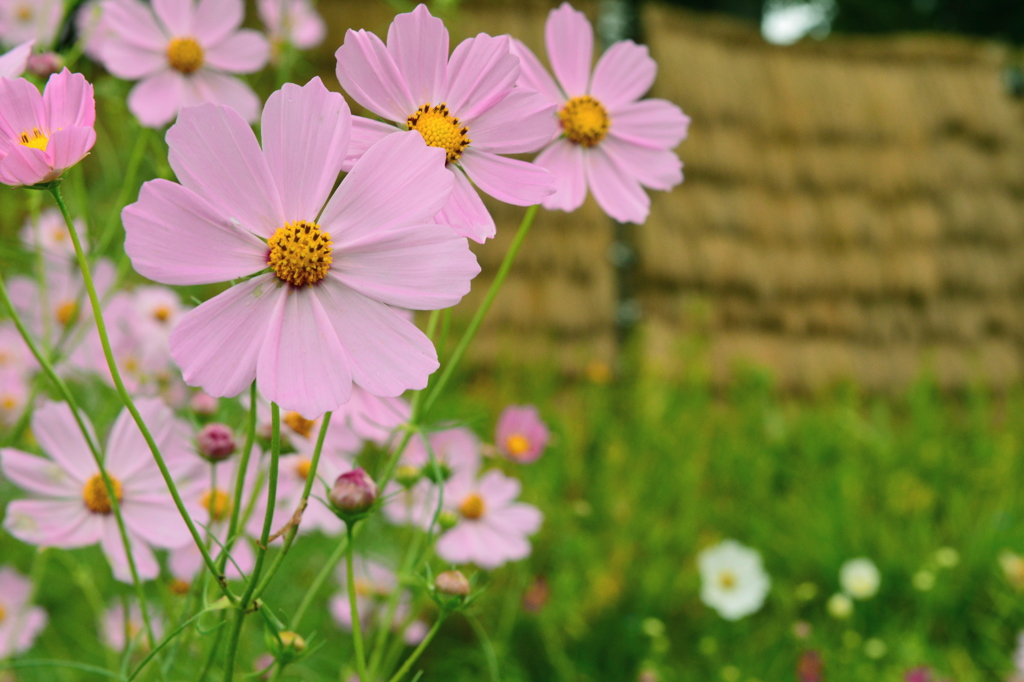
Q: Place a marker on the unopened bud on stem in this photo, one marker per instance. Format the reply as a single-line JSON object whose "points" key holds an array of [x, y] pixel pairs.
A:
{"points": [[354, 492], [216, 442], [452, 583]]}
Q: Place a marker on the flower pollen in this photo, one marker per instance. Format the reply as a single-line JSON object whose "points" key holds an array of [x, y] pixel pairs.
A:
{"points": [[727, 580], [299, 424], [584, 120], [302, 468], [185, 55], [23, 13], [34, 140], [472, 506], [218, 503], [300, 253], [3, 613], [440, 129], [517, 445], [95, 496], [66, 312], [179, 588], [161, 313]]}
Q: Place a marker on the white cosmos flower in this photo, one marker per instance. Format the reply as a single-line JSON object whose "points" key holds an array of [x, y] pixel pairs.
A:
{"points": [[860, 578], [733, 579]]}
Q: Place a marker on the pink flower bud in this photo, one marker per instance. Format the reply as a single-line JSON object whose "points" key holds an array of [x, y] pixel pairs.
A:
{"points": [[44, 65], [354, 492], [204, 404], [452, 583], [216, 442]]}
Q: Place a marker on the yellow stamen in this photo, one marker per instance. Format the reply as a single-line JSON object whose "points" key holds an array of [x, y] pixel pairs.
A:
{"points": [[440, 129], [300, 253], [472, 506], [161, 313], [66, 312], [727, 580], [3, 613], [363, 587], [59, 236], [23, 12], [8, 402], [299, 424], [218, 503], [179, 587], [95, 494], [302, 468], [517, 445], [185, 55], [35, 140], [584, 120]]}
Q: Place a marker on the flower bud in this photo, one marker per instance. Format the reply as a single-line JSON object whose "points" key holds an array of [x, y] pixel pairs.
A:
{"points": [[452, 583], [216, 442], [44, 65], [354, 492], [407, 475], [292, 640], [204, 404], [439, 474], [447, 519]]}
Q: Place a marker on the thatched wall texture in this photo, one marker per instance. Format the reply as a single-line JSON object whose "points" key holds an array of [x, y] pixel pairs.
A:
{"points": [[852, 210]]}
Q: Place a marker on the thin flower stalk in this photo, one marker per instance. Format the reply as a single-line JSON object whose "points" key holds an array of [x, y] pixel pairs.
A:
{"points": [[420, 649], [243, 466], [357, 629]]}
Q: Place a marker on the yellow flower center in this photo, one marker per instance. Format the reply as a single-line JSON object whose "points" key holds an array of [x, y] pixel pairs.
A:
{"points": [[218, 503], [66, 312], [23, 12], [440, 129], [584, 120], [161, 313], [300, 253], [302, 468], [36, 139], [727, 580], [185, 55], [517, 444], [95, 494], [179, 587], [8, 401], [3, 613], [472, 506], [363, 587], [59, 236], [299, 424]]}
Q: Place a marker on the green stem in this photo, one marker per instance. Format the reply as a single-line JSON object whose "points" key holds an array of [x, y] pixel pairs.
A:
{"points": [[420, 649], [485, 644], [357, 630], [243, 466], [481, 312], [101, 329], [127, 188], [318, 582]]}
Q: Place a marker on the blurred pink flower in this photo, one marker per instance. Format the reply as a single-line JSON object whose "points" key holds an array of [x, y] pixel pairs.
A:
{"points": [[20, 623], [374, 585], [14, 62], [492, 527], [370, 417], [611, 142], [293, 473], [292, 21], [43, 135], [321, 320], [114, 628], [13, 396], [182, 52], [521, 436], [54, 314], [93, 30], [24, 20], [466, 105], [50, 235], [68, 505], [14, 354]]}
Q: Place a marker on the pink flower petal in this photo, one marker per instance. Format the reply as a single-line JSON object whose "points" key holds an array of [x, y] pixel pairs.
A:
{"points": [[221, 88], [131, 62], [156, 523], [624, 73], [215, 154], [456, 546], [174, 236], [655, 123], [368, 73], [521, 123], [654, 168], [113, 546], [399, 181], [510, 180], [55, 428], [23, 110], [217, 344], [366, 132], [465, 211], [69, 146], [497, 489], [133, 22], [177, 15], [570, 42], [533, 75], [618, 194], [13, 63], [419, 267], [25, 166], [481, 73], [418, 42], [246, 51], [215, 20], [53, 523], [127, 451], [565, 161], [305, 138], [38, 475], [302, 365], [155, 100], [388, 354], [69, 101]]}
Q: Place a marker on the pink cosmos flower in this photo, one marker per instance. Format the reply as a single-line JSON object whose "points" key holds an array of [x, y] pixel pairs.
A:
{"points": [[292, 475], [321, 319], [92, 29], [375, 583], [20, 623], [301, 433], [14, 395], [55, 313], [24, 20], [114, 628], [14, 62], [69, 506], [292, 21], [50, 235], [370, 417], [182, 52], [611, 141], [41, 136], [492, 527], [521, 435], [465, 105], [14, 354]]}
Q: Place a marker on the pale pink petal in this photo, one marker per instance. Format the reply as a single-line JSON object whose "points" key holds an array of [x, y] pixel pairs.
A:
{"points": [[53, 523], [13, 63], [655, 123], [113, 546], [221, 88], [533, 75], [419, 267], [570, 42], [457, 545], [215, 20], [510, 180], [368, 73], [155, 100], [55, 428], [69, 101], [38, 475], [177, 15], [518, 518], [25, 166], [624, 73], [133, 22], [497, 489], [654, 168], [127, 450], [69, 146], [216, 345], [131, 62], [302, 365], [399, 181], [174, 236], [244, 52], [157, 522], [521, 123], [214, 153], [28, 625], [465, 211], [305, 139], [481, 73], [366, 132], [565, 161], [388, 355], [23, 109], [418, 42], [618, 194]]}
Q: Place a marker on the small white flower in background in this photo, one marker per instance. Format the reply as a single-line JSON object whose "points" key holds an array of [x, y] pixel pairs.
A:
{"points": [[840, 606], [733, 580], [860, 578]]}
